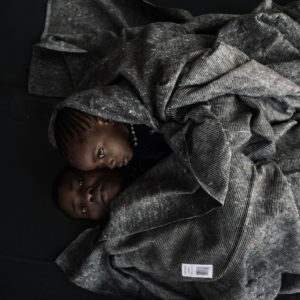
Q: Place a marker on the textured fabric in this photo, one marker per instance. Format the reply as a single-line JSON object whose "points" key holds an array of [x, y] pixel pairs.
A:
{"points": [[224, 91]]}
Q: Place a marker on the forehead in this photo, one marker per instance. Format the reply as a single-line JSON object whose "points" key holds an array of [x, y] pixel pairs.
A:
{"points": [[83, 153], [91, 138], [66, 193]]}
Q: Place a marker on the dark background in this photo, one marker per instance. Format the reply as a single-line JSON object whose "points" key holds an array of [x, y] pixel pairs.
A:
{"points": [[32, 231]]}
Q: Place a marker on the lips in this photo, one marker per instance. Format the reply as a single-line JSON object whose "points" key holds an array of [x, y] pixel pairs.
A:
{"points": [[122, 163], [125, 161]]}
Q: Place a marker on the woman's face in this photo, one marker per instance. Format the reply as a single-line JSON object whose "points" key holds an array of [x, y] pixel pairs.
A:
{"points": [[106, 145], [88, 195]]}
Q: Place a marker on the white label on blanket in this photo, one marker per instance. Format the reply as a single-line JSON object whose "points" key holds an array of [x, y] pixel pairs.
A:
{"points": [[200, 271]]}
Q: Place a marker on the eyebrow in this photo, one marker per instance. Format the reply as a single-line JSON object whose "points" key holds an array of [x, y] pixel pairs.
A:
{"points": [[71, 183], [71, 187], [94, 158]]}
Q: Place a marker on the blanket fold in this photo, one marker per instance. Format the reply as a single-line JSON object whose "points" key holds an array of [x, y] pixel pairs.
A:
{"points": [[224, 92]]}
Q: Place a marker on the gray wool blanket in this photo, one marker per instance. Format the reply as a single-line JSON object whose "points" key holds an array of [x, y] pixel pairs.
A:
{"points": [[219, 217]]}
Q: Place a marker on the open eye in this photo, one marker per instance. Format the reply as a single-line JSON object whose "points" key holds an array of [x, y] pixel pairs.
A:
{"points": [[83, 209], [100, 153]]}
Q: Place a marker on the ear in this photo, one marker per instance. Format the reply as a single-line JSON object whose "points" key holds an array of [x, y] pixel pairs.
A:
{"points": [[105, 122]]}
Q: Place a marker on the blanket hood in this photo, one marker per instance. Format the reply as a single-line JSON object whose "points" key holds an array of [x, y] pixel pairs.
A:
{"points": [[201, 91]]}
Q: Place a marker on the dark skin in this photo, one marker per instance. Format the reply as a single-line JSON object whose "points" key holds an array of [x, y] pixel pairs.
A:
{"points": [[88, 195], [106, 145]]}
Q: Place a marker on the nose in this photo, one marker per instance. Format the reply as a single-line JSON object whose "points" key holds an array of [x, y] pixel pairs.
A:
{"points": [[111, 163], [89, 194]]}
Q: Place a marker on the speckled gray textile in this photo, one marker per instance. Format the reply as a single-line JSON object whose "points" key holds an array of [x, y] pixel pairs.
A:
{"points": [[224, 91]]}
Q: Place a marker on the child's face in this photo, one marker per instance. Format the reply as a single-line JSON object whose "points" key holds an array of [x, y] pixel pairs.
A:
{"points": [[88, 195], [106, 145]]}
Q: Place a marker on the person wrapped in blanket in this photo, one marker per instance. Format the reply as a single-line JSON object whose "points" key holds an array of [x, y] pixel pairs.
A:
{"points": [[217, 217], [90, 143]]}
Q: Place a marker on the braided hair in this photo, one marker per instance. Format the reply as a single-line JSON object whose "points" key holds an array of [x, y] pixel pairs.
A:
{"points": [[71, 124]]}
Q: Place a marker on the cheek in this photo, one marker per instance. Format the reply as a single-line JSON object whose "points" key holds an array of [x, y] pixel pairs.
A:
{"points": [[97, 212], [114, 190], [118, 146], [122, 139]]}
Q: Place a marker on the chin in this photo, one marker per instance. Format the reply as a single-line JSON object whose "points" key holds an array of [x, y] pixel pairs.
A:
{"points": [[130, 154], [98, 217]]}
